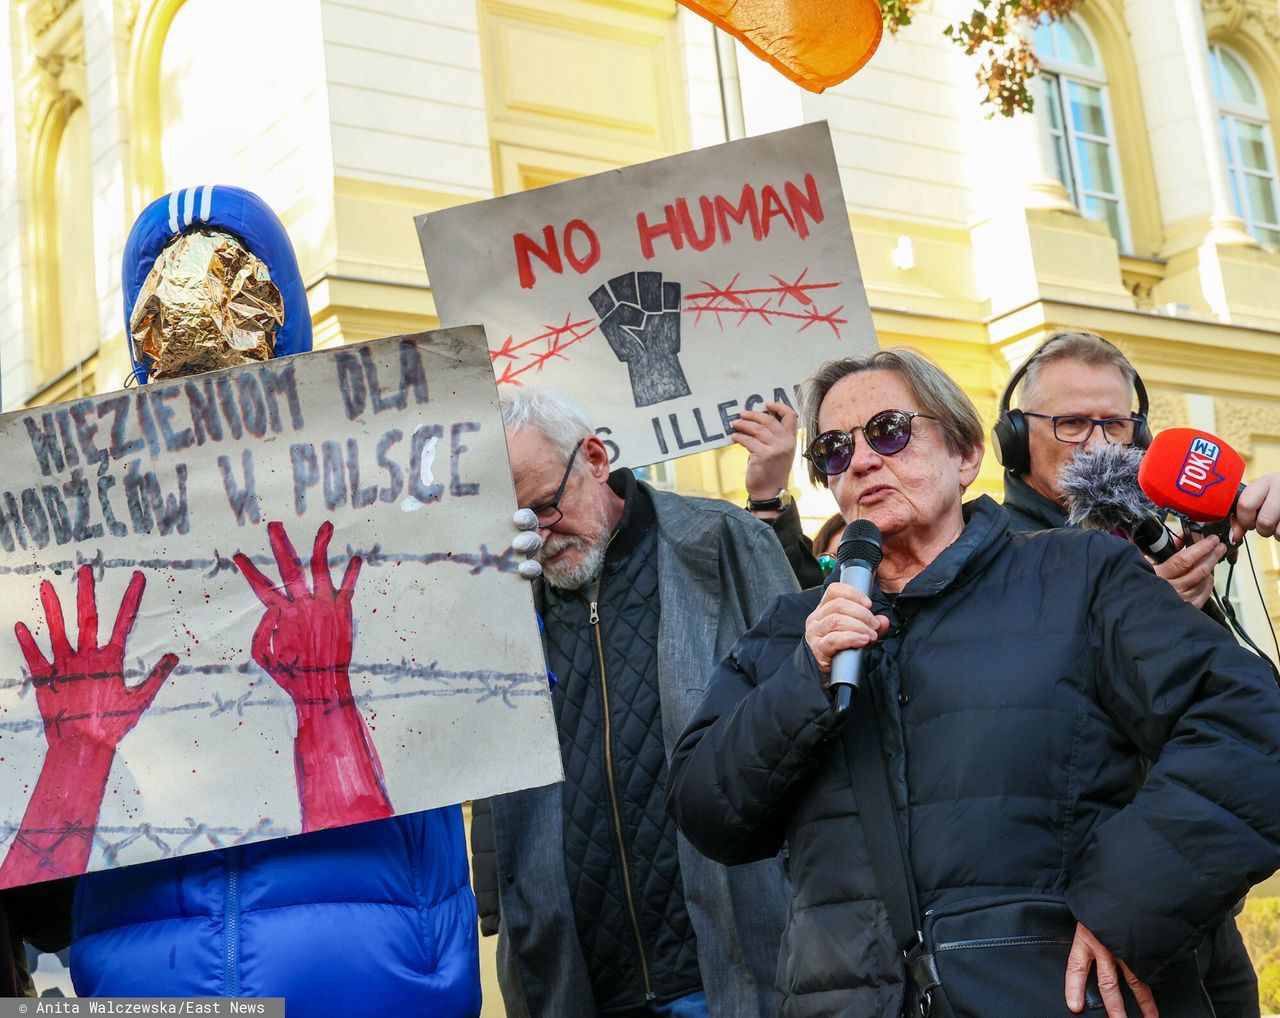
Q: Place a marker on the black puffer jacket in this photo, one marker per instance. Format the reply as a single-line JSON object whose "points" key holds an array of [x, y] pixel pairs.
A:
{"points": [[1028, 683], [1224, 963]]}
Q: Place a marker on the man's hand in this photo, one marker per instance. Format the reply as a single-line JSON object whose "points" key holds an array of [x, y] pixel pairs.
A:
{"points": [[770, 441], [528, 542], [1258, 508], [1087, 952], [1190, 571], [842, 621]]}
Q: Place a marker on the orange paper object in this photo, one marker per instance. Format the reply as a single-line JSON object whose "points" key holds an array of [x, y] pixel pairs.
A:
{"points": [[815, 43]]}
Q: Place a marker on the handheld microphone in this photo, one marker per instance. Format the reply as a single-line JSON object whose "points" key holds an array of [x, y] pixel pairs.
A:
{"points": [[1192, 473], [1102, 493], [859, 556], [1198, 476]]}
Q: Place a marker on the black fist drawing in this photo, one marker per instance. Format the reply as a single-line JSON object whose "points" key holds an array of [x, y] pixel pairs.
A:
{"points": [[640, 317]]}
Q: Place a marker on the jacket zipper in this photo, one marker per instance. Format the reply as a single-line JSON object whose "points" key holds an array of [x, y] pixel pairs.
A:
{"points": [[231, 923], [594, 619]]}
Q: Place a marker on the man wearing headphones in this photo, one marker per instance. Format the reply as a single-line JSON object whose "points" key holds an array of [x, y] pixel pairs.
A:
{"points": [[1077, 393]]}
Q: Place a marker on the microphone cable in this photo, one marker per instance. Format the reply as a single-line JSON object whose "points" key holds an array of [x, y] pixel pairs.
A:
{"points": [[1224, 604]]}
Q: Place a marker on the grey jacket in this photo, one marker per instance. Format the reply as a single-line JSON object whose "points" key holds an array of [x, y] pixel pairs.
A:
{"points": [[719, 569]]}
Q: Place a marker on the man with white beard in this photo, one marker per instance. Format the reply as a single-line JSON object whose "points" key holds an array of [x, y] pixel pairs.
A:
{"points": [[601, 906]]}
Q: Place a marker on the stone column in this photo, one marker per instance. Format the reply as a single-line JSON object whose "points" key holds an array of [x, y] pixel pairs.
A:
{"points": [[1020, 162], [1213, 267], [1171, 54], [107, 27]]}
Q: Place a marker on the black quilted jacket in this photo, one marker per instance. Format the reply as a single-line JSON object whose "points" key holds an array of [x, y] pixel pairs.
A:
{"points": [[1056, 720], [620, 845]]}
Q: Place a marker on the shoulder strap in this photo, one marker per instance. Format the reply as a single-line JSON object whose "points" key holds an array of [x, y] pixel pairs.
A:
{"points": [[870, 776]]}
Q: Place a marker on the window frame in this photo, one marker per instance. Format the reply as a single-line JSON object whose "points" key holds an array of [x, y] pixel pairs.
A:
{"points": [[1231, 114], [1057, 73]]}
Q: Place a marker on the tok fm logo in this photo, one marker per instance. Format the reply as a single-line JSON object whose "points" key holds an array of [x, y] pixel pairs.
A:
{"points": [[1197, 474]]}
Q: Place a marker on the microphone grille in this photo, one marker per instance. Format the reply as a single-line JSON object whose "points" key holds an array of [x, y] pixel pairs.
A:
{"points": [[1101, 489], [861, 542]]}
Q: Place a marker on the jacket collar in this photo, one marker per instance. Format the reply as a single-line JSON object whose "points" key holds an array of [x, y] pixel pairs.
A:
{"points": [[637, 516], [986, 529], [1020, 497]]}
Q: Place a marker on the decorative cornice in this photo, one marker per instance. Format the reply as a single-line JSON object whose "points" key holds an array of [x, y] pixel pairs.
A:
{"points": [[43, 15], [52, 65], [1264, 15], [1222, 17]]}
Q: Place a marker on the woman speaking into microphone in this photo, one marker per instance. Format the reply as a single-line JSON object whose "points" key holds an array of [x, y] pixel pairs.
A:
{"points": [[1055, 778]]}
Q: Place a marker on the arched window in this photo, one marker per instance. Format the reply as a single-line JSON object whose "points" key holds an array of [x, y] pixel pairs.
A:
{"points": [[67, 312], [73, 188], [224, 92], [1073, 104], [1246, 143]]}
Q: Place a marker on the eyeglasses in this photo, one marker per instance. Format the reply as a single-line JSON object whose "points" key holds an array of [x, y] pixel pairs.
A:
{"points": [[1074, 429], [887, 433], [549, 513]]}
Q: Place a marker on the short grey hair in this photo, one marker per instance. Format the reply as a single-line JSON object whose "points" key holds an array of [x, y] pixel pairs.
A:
{"points": [[1074, 346], [550, 413], [934, 390]]}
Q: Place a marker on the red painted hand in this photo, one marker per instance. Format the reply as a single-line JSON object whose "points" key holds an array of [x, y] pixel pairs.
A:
{"points": [[87, 709], [304, 643], [304, 639], [82, 693]]}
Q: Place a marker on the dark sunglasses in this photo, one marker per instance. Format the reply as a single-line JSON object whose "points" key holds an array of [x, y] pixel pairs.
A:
{"points": [[887, 433]]}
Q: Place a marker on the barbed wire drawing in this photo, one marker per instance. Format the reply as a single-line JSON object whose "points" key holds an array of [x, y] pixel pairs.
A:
{"points": [[765, 303], [376, 556], [113, 839], [781, 302], [483, 684], [557, 339], [89, 696]]}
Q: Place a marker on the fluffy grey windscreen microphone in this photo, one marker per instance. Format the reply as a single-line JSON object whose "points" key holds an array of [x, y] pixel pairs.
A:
{"points": [[1101, 489]]}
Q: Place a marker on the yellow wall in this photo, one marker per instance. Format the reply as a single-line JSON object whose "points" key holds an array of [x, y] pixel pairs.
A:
{"points": [[375, 110]]}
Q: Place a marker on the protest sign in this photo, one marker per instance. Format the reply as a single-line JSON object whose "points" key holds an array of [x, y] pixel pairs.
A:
{"points": [[180, 678], [664, 298]]}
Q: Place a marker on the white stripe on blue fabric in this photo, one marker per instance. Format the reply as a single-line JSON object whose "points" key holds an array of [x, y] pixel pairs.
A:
{"points": [[173, 211], [188, 206], [206, 202]]}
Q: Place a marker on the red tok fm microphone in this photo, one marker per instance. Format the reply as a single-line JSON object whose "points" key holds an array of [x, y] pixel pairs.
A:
{"points": [[1197, 475], [1194, 474]]}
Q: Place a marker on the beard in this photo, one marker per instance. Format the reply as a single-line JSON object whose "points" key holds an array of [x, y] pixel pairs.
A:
{"points": [[589, 563]]}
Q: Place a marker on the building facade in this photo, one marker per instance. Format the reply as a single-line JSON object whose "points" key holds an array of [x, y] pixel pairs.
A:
{"points": [[1139, 201]]}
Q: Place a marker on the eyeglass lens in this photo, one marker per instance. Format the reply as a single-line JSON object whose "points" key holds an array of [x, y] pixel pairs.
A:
{"points": [[887, 433], [1118, 430]]}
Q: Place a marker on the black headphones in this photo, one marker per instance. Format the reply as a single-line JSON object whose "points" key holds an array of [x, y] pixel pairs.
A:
{"points": [[1009, 436]]}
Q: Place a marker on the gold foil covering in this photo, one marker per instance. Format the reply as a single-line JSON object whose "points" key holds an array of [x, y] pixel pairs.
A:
{"points": [[206, 304]]}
